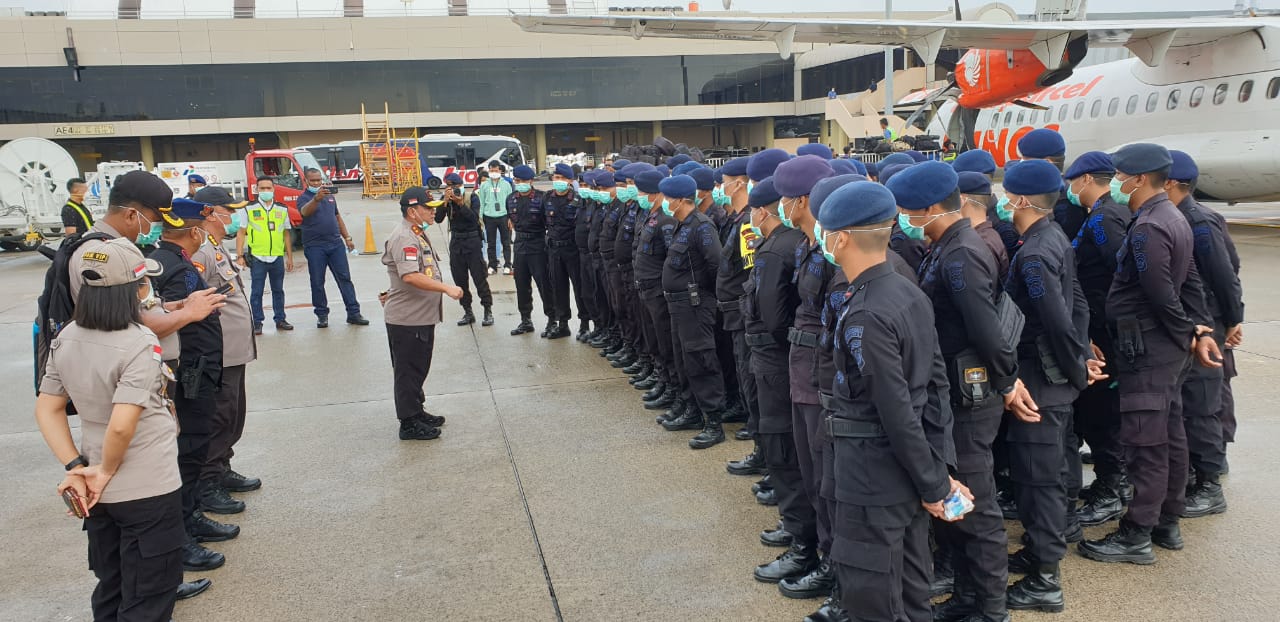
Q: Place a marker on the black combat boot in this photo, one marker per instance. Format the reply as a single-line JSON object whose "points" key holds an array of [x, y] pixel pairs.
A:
{"points": [[196, 558], [655, 392], [1206, 498], [816, 584], [548, 329], [205, 529], [627, 357], [795, 562], [235, 482], [525, 326], [214, 498], [641, 364], [764, 483], [679, 406], [735, 413], [648, 382], [743, 434], [830, 611], [944, 575], [712, 433], [776, 537], [752, 464], [1130, 543], [767, 497], [191, 589], [584, 328], [691, 419], [1073, 532], [1167, 534], [1040, 590], [488, 317], [467, 317], [1102, 504], [962, 604], [560, 330], [1022, 561], [599, 338]]}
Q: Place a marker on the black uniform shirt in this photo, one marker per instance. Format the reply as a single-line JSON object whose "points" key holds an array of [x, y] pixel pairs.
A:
{"points": [[889, 371], [1068, 215], [612, 214], [1042, 281], [734, 267], [991, 238], [1008, 233], [529, 220], [562, 215], [77, 215], [909, 249], [598, 216], [624, 243], [1096, 245], [1156, 280], [959, 278], [464, 218], [1222, 290], [651, 250], [692, 257], [773, 281], [813, 273], [582, 224], [179, 280]]}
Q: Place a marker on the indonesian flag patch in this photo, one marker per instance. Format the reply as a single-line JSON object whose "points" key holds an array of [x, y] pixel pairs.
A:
{"points": [[411, 253], [157, 353]]}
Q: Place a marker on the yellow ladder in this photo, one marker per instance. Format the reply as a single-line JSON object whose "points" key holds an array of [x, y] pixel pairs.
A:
{"points": [[376, 153]]}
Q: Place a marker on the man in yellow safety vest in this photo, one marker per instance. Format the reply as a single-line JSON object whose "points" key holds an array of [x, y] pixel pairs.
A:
{"points": [[265, 232]]}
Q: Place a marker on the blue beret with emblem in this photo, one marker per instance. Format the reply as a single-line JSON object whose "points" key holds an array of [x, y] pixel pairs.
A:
{"points": [[736, 167], [857, 204], [677, 160], [843, 167], [1090, 162], [897, 158], [923, 185], [684, 169], [678, 187], [523, 172], [563, 170], [620, 163], [605, 179], [453, 178], [763, 164], [664, 169], [703, 177], [973, 182], [1033, 177]]}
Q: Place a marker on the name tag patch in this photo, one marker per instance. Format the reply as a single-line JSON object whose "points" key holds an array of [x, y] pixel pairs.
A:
{"points": [[975, 375]]}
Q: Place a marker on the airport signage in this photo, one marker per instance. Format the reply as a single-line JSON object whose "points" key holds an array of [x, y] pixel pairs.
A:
{"points": [[102, 129]]}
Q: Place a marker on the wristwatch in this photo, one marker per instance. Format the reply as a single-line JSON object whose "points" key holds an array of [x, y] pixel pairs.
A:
{"points": [[78, 461], [1006, 391], [1205, 333]]}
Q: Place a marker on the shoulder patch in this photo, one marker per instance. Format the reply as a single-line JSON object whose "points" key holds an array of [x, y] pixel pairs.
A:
{"points": [[853, 340], [1033, 276], [955, 276], [1138, 243], [1203, 239], [411, 253]]}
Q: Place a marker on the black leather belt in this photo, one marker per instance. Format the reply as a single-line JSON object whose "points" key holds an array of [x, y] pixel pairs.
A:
{"points": [[680, 296], [1144, 323], [759, 339], [465, 234], [646, 284], [844, 428], [828, 401], [802, 338], [526, 237], [730, 305], [560, 243]]}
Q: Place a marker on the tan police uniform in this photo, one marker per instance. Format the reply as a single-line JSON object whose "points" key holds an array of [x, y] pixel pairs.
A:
{"points": [[239, 348], [411, 315]]}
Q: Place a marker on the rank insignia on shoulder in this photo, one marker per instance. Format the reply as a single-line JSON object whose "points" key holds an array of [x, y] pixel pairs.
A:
{"points": [[975, 375], [411, 253], [199, 266]]}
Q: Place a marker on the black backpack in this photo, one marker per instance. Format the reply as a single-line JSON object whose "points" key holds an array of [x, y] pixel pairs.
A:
{"points": [[55, 306]]}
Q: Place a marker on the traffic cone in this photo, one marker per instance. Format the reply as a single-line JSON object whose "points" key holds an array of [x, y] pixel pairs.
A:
{"points": [[370, 248]]}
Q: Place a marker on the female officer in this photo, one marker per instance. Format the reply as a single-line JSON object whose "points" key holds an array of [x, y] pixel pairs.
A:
{"points": [[125, 471]]}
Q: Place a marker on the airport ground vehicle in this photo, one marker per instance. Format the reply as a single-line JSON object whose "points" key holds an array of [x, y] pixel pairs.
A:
{"points": [[283, 166], [441, 154]]}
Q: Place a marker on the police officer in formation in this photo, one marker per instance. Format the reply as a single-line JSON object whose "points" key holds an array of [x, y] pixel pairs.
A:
{"points": [[562, 205], [604, 333], [527, 209], [466, 247], [736, 261], [655, 234], [589, 311]]}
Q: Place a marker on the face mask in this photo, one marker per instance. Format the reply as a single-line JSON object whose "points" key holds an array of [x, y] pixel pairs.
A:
{"points": [[151, 236], [645, 203], [1072, 197], [232, 227], [150, 300], [493, 175], [717, 195], [1003, 212], [822, 241], [666, 208], [627, 194], [756, 230], [782, 214], [266, 196], [913, 232], [560, 185], [523, 187], [749, 187], [1117, 194]]}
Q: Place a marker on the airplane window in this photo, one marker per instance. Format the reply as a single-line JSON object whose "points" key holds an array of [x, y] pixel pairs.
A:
{"points": [[1174, 96], [995, 118], [1246, 89], [1021, 114], [1273, 88], [1095, 109], [1035, 114], [1113, 107], [1079, 111], [1152, 100], [1220, 94], [1197, 94], [1131, 106], [1062, 112], [1008, 116]]}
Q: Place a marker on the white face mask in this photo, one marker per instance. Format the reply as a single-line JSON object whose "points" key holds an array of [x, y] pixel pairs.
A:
{"points": [[150, 300], [493, 175]]}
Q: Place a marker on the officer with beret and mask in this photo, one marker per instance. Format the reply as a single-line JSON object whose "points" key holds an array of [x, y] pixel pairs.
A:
{"points": [[959, 276], [604, 334], [688, 283], [975, 195], [1202, 391], [590, 312], [639, 358], [736, 259], [527, 207], [982, 162], [623, 337], [655, 231], [1046, 144], [466, 247], [705, 202], [1097, 410], [891, 429], [562, 205], [1159, 319], [901, 242], [1055, 363]]}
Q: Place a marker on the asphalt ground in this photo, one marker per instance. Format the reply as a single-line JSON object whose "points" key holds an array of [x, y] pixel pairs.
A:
{"points": [[551, 495]]}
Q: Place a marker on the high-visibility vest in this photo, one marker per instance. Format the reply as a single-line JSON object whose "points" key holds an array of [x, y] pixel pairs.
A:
{"points": [[88, 220], [265, 233], [893, 134]]}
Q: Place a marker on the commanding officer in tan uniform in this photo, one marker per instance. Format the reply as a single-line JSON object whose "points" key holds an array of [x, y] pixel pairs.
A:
{"points": [[412, 306], [215, 263]]}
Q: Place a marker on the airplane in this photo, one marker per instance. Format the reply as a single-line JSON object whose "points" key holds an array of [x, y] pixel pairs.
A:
{"points": [[1207, 87]]}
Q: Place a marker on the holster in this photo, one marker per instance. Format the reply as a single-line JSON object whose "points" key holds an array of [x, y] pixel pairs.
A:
{"points": [[970, 379], [1128, 338], [1049, 362]]}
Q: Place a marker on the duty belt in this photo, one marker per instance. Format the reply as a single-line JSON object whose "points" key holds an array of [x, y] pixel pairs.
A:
{"points": [[465, 234], [802, 337], [845, 428], [759, 339], [678, 296], [524, 236], [730, 305], [828, 401], [646, 284], [1144, 323], [560, 243]]}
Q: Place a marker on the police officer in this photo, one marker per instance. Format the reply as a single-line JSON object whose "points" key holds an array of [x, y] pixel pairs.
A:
{"points": [[603, 336], [688, 283], [413, 306], [656, 231], [981, 161], [527, 207], [891, 429], [213, 261], [1202, 389], [910, 249], [466, 252], [1054, 363], [1159, 317], [1097, 410], [622, 338], [587, 206], [1046, 144], [768, 314], [975, 194], [198, 372], [630, 219], [736, 260], [562, 204], [959, 276]]}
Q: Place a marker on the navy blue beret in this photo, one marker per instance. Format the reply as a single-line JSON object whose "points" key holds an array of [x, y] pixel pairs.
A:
{"points": [[857, 204], [887, 172], [795, 178], [678, 187], [815, 149], [896, 158], [1033, 177], [563, 170], [605, 179], [1042, 143], [647, 181], [973, 182], [453, 178], [677, 160], [862, 168], [763, 164], [703, 177], [683, 169], [1183, 167], [1008, 166], [916, 156], [1090, 162], [619, 176], [1140, 158], [976, 160], [843, 167], [872, 168], [664, 169], [187, 209], [825, 187], [620, 162], [195, 179], [736, 167], [718, 176], [523, 172], [923, 185], [763, 194]]}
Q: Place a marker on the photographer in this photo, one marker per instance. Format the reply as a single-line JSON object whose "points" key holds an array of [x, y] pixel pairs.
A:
{"points": [[124, 475], [465, 240], [325, 243]]}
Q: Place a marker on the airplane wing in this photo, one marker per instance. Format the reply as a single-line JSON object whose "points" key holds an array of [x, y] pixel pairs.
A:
{"points": [[1147, 39]]}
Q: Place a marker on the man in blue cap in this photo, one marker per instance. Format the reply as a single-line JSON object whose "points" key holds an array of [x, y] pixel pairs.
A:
{"points": [[705, 202], [890, 429], [959, 277], [1055, 363], [621, 337], [1097, 410], [768, 312], [527, 207], [663, 387], [1046, 144], [562, 212], [975, 196], [736, 259], [604, 336], [194, 184], [688, 283], [466, 247], [582, 241], [975, 161], [1159, 317], [1204, 388], [640, 361]]}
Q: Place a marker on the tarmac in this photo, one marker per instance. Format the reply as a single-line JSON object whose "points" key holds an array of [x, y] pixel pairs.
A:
{"points": [[552, 495]]}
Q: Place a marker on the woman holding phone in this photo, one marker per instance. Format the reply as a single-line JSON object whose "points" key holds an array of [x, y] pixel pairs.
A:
{"points": [[123, 478]]}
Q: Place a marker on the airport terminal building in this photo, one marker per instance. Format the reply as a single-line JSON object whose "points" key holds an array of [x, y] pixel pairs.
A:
{"points": [[155, 85]]}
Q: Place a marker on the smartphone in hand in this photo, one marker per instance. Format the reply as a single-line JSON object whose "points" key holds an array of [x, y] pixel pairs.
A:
{"points": [[74, 503]]}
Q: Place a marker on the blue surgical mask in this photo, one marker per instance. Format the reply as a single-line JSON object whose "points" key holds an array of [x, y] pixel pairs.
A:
{"points": [[560, 185], [1002, 212], [666, 208], [1072, 197], [645, 203], [782, 214], [232, 227], [717, 196], [1117, 194], [913, 232], [750, 185], [822, 242], [151, 236], [756, 230], [627, 194], [523, 187], [267, 196]]}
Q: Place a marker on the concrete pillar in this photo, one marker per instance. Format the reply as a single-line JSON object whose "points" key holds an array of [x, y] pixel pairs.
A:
{"points": [[768, 132], [657, 128], [539, 146], [148, 152]]}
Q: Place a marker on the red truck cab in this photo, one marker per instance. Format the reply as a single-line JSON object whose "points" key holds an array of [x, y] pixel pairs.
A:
{"points": [[286, 168]]}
